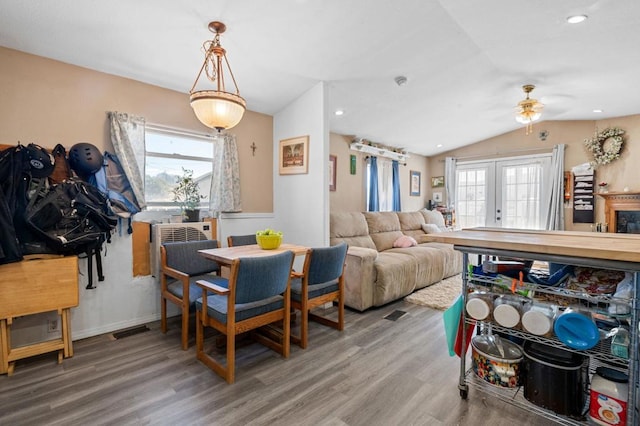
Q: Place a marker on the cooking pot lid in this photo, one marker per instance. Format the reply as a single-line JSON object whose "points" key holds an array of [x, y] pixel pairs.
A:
{"points": [[491, 345], [553, 355], [611, 374]]}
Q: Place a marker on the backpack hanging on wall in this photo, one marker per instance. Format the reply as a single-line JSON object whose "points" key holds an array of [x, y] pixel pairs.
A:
{"points": [[71, 216], [114, 184], [61, 170]]}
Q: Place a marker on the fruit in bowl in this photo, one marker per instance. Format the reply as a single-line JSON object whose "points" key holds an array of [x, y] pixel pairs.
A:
{"points": [[269, 239]]}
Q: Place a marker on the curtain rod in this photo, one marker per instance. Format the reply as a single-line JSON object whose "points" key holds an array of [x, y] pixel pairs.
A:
{"points": [[519, 151], [178, 131]]}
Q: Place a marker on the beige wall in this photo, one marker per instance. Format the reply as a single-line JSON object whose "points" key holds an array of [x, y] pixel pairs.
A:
{"points": [[622, 172], [350, 193], [49, 102]]}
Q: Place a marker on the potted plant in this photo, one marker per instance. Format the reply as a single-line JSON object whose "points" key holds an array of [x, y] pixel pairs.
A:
{"points": [[187, 193]]}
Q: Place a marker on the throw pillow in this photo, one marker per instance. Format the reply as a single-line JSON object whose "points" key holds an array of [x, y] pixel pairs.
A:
{"points": [[404, 242], [431, 228]]}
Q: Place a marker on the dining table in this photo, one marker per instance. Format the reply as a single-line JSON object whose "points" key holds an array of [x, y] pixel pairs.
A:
{"points": [[224, 256]]}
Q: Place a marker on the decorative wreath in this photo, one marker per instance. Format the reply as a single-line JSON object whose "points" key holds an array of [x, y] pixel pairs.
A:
{"points": [[605, 146]]}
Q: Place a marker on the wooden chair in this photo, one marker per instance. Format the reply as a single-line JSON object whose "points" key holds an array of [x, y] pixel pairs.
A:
{"points": [[241, 240], [321, 281], [181, 267], [258, 294]]}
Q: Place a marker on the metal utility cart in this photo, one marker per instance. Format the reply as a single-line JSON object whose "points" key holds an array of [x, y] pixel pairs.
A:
{"points": [[608, 251]]}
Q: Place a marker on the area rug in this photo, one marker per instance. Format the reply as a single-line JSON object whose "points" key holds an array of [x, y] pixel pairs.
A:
{"points": [[439, 295]]}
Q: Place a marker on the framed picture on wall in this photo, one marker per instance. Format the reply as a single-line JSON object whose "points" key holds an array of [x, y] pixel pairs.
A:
{"points": [[437, 182], [294, 156], [414, 182], [332, 172]]}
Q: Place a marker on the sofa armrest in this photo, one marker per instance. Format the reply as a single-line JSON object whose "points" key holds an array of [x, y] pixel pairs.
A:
{"points": [[360, 276]]}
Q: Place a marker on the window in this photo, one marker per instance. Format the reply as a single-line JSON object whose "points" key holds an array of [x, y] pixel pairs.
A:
{"points": [[502, 193], [385, 185], [167, 153]]}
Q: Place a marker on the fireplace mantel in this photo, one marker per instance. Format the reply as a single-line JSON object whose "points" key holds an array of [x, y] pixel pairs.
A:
{"points": [[618, 201]]}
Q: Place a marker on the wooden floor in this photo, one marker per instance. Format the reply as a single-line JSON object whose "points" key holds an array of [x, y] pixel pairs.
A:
{"points": [[376, 372]]}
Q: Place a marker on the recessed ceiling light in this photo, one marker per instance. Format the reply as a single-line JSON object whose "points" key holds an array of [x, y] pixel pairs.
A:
{"points": [[576, 19], [439, 145], [339, 112], [597, 110]]}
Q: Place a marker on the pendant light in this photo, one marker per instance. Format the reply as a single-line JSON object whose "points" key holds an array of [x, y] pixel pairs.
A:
{"points": [[217, 109]]}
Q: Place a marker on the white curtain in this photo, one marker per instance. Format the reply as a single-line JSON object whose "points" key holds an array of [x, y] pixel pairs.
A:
{"points": [[225, 175], [450, 181], [127, 137], [385, 185], [555, 210]]}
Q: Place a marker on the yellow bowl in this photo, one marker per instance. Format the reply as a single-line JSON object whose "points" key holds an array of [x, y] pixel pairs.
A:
{"points": [[269, 242]]}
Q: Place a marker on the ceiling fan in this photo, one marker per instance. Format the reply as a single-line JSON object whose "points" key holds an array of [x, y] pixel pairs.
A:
{"points": [[528, 110]]}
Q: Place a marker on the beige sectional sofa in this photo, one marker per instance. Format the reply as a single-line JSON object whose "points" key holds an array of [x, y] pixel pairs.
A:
{"points": [[378, 273]]}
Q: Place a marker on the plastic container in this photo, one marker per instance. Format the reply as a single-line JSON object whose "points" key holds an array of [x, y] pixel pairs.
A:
{"points": [[576, 329], [479, 305], [538, 319], [506, 310], [608, 402], [555, 379]]}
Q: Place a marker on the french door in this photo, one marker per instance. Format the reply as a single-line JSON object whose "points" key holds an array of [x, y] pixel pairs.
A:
{"points": [[508, 193]]}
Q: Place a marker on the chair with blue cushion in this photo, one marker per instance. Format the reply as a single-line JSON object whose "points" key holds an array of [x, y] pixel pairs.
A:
{"points": [[257, 295], [321, 281], [181, 267], [241, 240]]}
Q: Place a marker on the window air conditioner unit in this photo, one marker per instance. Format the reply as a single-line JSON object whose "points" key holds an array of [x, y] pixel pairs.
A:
{"points": [[175, 232]]}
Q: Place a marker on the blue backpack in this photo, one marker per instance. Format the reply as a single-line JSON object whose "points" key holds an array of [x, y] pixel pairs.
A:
{"points": [[114, 184]]}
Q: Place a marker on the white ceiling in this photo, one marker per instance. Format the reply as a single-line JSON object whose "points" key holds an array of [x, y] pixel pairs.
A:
{"points": [[465, 61]]}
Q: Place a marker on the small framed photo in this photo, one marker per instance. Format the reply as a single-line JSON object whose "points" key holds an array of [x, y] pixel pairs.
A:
{"points": [[437, 182], [437, 197], [414, 182], [332, 172], [294, 156]]}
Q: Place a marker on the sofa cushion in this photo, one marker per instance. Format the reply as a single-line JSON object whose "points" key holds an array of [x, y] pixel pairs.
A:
{"points": [[350, 228], [384, 228], [405, 242], [395, 276], [431, 228], [410, 221], [435, 217]]}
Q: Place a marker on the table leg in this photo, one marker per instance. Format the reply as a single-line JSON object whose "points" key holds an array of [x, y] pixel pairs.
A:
{"points": [[4, 347]]}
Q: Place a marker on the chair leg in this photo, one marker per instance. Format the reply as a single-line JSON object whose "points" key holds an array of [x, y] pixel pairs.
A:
{"points": [[231, 359], [163, 314], [199, 335], [185, 328], [341, 313], [304, 325]]}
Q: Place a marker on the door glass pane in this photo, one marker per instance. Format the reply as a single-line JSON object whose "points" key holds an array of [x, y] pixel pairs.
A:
{"points": [[521, 196], [471, 198]]}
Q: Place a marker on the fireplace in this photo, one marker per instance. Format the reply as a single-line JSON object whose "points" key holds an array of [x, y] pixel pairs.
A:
{"points": [[622, 211]]}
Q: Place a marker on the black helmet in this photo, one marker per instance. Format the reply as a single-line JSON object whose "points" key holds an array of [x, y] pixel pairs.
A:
{"points": [[85, 159]]}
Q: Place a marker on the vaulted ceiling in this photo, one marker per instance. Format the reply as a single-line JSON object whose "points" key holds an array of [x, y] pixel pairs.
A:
{"points": [[465, 61]]}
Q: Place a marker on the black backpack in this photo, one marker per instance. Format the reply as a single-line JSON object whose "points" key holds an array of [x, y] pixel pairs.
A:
{"points": [[73, 217]]}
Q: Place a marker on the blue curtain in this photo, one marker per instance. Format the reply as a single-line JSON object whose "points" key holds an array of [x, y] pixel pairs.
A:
{"points": [[395, 181], [373, 185]]}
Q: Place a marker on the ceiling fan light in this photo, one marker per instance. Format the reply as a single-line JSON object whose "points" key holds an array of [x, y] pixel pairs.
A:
{"points": [[528, 110]]}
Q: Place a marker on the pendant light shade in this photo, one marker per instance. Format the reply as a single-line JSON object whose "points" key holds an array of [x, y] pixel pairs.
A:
{"points": [[217, 109]]}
